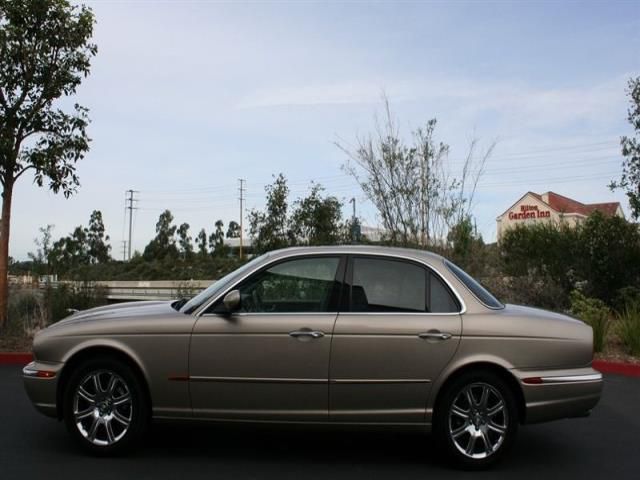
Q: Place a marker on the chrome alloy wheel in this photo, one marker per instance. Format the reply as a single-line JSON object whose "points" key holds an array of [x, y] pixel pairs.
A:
{"points": [[478, 420], [102, 407]]}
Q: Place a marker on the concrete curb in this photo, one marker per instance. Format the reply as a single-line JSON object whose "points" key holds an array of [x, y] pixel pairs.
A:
{"points": [[627, 369]]}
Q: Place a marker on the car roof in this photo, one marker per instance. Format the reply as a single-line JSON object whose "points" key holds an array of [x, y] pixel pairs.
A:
{"points": [[423, 255]]}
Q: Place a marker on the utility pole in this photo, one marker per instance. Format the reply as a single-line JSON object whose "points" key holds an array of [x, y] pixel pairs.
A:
{"points": [[124, 250], [131, 208], [242, 189]]}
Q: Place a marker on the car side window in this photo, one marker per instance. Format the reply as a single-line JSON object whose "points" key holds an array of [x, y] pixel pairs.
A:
{"points": [[441, 300], [293, 286], [381, 285]]}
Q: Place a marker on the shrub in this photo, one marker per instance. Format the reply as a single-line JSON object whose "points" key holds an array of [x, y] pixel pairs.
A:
{"points": [[533, 291], [628, 327], [602, 254], [26, 312], [594, 312], [74, 296], [625, 297]]}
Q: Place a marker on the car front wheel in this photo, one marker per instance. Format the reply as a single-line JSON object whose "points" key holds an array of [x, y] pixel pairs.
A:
{"points": [[105, 407], [476, 420]]}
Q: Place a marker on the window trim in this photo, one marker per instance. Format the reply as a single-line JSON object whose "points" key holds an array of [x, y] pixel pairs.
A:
{"points": [[334, 302], [348, 282], [344, 255], [449, 262]]}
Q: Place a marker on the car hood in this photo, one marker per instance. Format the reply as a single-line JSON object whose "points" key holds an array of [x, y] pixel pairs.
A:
{"points": [[120, 310]]}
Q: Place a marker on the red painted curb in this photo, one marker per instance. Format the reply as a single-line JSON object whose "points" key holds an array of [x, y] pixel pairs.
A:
{"points": [[628, 369], [12, 358]]}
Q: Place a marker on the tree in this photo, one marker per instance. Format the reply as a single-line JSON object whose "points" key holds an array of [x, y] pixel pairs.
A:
{"points": [[98, 249], [219, 233], [184, 240], [269, 229], [409, 184], [630, 179], [234, 230], [41, 257], [609, 254], [216, 240], [71, 251], [202, 243], [317, 220], [164, 243], [466, 247], [45, 52], [84, 246]]}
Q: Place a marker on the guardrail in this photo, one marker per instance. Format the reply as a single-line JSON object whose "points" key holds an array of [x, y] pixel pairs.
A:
{"points": [[141, 290]]}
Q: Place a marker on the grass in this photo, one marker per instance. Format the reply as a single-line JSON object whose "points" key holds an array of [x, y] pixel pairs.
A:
{"points": [[595, 313], [628, 328]]}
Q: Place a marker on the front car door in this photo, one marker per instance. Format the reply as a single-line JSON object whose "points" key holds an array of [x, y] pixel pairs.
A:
{"points": [[400, 328], [269, 360]]}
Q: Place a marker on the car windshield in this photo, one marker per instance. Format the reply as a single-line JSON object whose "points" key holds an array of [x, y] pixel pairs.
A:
{"points": [[218, 286], [480, 292]]}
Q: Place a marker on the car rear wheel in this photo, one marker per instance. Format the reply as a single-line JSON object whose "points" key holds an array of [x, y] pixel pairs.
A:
{"points": [[476, 420], [105, 408]]}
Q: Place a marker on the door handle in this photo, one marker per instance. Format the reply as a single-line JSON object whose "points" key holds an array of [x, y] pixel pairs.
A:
{"points": [[306, 333], [435, 336]]}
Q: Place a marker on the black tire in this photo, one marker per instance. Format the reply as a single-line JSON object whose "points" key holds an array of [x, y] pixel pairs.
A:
{"points": [[478, 442], [118, 407]]}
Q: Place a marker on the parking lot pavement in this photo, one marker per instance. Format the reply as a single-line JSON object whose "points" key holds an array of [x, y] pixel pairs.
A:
{"points": [[605, 444]]}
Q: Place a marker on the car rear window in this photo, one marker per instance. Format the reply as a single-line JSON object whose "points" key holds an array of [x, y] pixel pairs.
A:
{"points": [[474, 286], [387, 286], [390, 285]]}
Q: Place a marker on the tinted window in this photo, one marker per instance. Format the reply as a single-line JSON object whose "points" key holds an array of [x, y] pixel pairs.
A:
{"points": [[387, 286], [218, 286], [302, 285], [441, 300], [478, 290]]}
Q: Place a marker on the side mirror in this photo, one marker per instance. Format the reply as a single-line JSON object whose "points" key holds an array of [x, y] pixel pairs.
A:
{"points": [[231, 301]]}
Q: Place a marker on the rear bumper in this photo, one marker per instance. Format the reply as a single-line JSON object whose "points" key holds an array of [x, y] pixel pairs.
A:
{"points": [[556, 394], [42, 388]]}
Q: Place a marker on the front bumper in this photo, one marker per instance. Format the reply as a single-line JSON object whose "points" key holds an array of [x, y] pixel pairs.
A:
{"points": [[41, 383], [556, 394]]}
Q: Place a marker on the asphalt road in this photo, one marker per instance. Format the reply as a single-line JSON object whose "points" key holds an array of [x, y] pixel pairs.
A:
{"points": [[607, 444]]}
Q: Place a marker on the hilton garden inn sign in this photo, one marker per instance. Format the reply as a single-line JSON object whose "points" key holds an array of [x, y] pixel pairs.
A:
{"points": [[551, 207]]}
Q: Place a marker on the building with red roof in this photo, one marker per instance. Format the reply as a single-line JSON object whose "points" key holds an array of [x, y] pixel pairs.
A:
{"points": [[551, 207]]}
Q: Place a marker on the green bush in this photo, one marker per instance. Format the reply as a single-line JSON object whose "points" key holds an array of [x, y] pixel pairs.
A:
{"points": [[72, 296], [594, 312], [625, 297], [602, 255], [628, 327]]}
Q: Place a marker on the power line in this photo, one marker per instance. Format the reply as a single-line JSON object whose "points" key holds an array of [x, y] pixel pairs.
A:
{"points": [[552, 180]]}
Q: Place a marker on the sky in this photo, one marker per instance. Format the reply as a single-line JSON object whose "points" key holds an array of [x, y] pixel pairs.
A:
{"points": [[186, 97]]}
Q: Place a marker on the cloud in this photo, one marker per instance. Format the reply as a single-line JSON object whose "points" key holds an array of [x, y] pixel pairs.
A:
{"points": [[312, 95], [513, 101]]}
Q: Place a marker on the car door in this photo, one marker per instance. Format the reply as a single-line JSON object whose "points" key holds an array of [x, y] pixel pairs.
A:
{"points": [[400, 327], [270, 359]]}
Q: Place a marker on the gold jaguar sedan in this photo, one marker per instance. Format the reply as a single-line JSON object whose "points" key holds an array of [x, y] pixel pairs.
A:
{"points": [[349, 335]]}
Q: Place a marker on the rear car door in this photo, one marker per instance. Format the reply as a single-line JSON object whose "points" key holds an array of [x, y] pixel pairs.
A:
{"points": [[398, 328], [269, 360]]}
